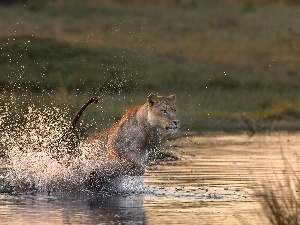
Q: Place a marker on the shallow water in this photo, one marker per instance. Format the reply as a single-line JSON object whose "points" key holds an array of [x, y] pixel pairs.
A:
{"points": [[213, 183]]}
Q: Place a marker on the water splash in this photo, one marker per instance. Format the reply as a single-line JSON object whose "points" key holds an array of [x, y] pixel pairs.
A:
{"points": [[29, 143], [32, 145]]}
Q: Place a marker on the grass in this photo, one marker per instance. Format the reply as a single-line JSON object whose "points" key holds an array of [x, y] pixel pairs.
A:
{"points": [[281, 205], [225, 61]]}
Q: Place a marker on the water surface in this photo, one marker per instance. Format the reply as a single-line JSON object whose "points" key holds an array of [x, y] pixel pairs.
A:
{"points": [[213, 183]]}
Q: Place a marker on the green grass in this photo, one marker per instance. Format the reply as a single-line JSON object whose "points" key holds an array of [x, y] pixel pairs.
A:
{"points": [[225, 61], [46, 65]]}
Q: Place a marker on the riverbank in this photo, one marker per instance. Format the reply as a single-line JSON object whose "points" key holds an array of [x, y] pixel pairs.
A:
{"points": [[232, 64]]}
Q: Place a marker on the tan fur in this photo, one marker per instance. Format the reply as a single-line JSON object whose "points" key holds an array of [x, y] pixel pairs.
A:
{"points": [[125, 147]]}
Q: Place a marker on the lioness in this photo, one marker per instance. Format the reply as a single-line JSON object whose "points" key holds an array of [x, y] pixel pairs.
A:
{"points": [[124, 148]]}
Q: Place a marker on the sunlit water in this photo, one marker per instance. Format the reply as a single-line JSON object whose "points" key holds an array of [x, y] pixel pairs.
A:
{"points": [[213, 182]]}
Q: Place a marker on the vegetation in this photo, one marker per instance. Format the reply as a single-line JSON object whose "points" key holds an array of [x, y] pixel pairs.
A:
{"points": [[233, 64], [282, 204]]}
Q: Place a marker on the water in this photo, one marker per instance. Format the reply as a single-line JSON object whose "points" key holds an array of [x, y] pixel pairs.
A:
{"points": [[71, 209], [213, 183]]}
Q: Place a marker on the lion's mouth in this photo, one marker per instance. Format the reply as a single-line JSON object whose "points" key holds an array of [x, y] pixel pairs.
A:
{"points": [[171, 130], [173, 127]]}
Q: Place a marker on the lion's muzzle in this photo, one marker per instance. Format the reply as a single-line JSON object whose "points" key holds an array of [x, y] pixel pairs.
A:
{"points": [[172, 128]]}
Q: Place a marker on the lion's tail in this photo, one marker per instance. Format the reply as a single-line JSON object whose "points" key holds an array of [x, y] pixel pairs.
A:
{"points": [[94, 99], [69, 138]]}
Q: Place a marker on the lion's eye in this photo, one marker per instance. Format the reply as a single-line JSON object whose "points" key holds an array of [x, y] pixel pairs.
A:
{"points": [[164, 111]]}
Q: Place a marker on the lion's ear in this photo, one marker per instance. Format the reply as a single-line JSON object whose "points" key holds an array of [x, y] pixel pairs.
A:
{"points": [[172, 97], [152, 99]]}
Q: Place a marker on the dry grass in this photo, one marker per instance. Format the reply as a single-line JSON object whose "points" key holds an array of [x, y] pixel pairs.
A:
{"points": [[281, 204]]}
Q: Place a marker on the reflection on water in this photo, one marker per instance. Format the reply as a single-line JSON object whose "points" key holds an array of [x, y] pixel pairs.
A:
{"points": [[213, 183], [72, 209]]}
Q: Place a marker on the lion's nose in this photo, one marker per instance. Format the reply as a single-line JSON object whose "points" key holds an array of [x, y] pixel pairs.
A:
{"points": [[176, 122]]}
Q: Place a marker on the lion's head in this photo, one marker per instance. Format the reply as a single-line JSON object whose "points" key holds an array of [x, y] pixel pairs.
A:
{"points": [[162, 113]]}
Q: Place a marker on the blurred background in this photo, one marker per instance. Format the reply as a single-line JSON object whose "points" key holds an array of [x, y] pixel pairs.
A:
{"points": [[234, 65]]}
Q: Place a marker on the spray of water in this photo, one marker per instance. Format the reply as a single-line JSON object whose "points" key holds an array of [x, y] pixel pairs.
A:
{"points": [[32, 147], [30, 144]]}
